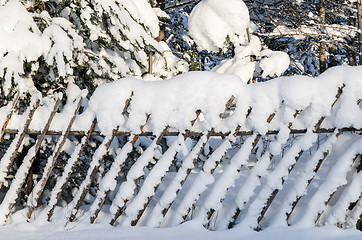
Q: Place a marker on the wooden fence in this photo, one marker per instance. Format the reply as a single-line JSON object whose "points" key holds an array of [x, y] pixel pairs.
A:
{"points": [[236, 178]]}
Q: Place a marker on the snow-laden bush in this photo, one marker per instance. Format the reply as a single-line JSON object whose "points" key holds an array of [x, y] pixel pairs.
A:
{"points": [[44, 46], [214, 26]]}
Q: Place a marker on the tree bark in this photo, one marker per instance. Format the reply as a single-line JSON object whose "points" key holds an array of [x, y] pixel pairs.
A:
{"points": [[161, 35], [359, 19], [161, 4], [323, 47], [352, 56]]}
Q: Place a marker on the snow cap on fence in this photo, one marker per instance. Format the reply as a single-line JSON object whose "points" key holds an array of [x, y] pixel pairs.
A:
{"points": [[173, 103], [170, 103]]}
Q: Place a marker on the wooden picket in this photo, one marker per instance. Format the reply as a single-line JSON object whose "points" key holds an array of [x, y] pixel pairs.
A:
{"points": [[182, 197]]}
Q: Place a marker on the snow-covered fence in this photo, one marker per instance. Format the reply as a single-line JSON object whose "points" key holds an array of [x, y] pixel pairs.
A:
{"points": [[201, 146]]}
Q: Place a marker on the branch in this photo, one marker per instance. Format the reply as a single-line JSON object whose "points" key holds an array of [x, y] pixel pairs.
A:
{"points": [[36, 5], [178, 4]]}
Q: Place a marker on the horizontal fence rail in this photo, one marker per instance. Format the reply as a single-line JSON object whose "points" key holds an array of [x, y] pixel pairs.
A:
{"points": [[174, 133]]}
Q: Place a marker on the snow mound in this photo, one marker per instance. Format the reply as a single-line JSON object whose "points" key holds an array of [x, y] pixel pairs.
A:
{"points": [[211, 22]]}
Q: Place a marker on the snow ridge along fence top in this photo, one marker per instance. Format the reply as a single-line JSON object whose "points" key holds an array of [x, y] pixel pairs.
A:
{"points": [[201, 146]]}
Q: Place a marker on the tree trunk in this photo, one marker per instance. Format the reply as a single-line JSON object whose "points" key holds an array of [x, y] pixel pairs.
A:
{"points": [[323, 47], [352, 57], [333, 57], [359, 17], [161, 36]]}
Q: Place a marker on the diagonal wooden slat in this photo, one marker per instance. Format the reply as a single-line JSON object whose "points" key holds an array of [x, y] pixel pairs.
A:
{"points": [[39, 187], [61, 183], [148, 153], [168, 197], [101, 152], [334, 192], [182, 174], [336, 214], [336, 177], [8, 117], [59, 187], [13, 150], [149, 198], [20, 177], [132, 203], [238, 162], [170, 153], [204, 178], [213, 200], [354, 216], [289, 166], [210, 161], [324, 152]]}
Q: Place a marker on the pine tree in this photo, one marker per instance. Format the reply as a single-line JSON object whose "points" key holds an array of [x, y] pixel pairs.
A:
{"points": [[298, 28], [85, 42]]}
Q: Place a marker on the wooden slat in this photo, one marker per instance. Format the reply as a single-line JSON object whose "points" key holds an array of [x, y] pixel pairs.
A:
{"points": [[8, 117], [289, 169], [16, 144], [59, 187], [61, 183], [176, 133], [320, 162], [316, 169], [210, 212], [185, 171], [122, 208], [348, 199], [95, 164], [228, 104], [20, 177], [102, 151], [133, 209], [102, 196], [39, 187], [181, 176], [333, 193]]}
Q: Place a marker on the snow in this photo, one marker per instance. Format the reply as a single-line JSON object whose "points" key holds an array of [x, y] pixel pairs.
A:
{"points": [[69, 113], [228, 176], [179, 95], [174, 104], [297, 190], [203, 179], [127, 188], [209, 92], [212, 25], [275, 179], [337, 213], [211, 22], [144, 14], [170, 194], [336, 177], [55, 230], [20, 40], [274, 63], [64, 48], [152, 181], [16, 145]]}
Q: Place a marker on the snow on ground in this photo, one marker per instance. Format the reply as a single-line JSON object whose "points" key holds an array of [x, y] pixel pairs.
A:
{"points": [[186, 231], [56, 230]]}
